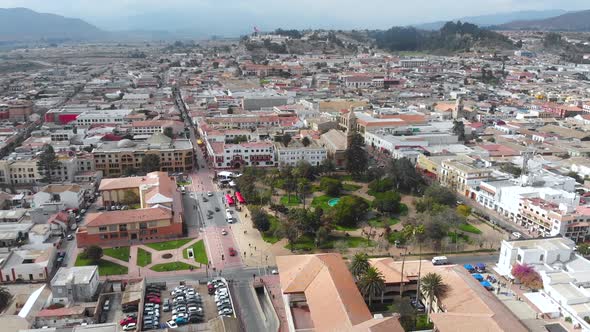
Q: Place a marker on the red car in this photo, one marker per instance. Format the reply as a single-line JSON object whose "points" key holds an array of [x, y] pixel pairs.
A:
{"points": [[232, 252], [155, 300], [127, 320]]}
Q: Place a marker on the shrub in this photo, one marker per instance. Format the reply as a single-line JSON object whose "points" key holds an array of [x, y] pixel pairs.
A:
{"points": [[330, 186], [381, 185]]}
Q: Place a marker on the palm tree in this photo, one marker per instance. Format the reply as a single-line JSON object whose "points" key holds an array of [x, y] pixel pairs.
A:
{"points": [[5, 298], [372, 283], [359, 265], [433, 286]]}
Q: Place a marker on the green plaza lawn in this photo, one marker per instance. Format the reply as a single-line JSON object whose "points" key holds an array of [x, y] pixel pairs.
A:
{"points": [[306, 242], [173, 266], [120, 253], [294, 200], [269, 236], [322, 201], [382, 222], [350, 187], [105, 268], [168, 245], [470, 229], [144, 257], [200, 254]]}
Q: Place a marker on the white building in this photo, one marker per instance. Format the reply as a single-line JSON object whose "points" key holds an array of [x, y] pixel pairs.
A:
{"points": [[63, 195], [92, 117], [314, 154], [565, 274]]}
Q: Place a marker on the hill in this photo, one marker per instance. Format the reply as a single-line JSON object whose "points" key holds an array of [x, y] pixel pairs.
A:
{"points": [[452, 37], [576, 21], [21, 24], [495, 19]]}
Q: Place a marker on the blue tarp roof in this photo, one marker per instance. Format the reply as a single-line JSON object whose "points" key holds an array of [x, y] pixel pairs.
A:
{"points": [[478, 276], [468, 266], [486, 284]]}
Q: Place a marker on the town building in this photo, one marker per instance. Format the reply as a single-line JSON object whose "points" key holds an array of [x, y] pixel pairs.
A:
{"points": [[463, 175], [117, 158], [66, 196], [295, 152], [257, 154], [28, 265], [75, 284], [154, 214], [335, 142], [320, 294], [563, 271], [467, 306]]}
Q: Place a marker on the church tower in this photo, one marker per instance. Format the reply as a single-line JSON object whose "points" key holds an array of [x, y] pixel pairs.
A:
{"points": [[458, 112]]}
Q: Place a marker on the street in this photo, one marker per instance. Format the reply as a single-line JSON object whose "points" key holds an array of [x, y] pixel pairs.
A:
{"points": [[198, 205]]}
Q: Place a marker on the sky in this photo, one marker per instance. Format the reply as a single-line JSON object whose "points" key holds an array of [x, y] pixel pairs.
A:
{"points": [[271, 14]]}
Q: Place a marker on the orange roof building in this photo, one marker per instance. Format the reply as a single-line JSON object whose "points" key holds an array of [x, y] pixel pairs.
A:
{"points": [[320, 295], [153, 212], [468, 306]]}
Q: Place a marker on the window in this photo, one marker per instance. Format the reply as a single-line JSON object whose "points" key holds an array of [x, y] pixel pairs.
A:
{"points": [[102, 229], [519, 258]]}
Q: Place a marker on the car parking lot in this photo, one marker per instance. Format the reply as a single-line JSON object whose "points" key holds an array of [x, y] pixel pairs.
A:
{"points": [[184, 304]]}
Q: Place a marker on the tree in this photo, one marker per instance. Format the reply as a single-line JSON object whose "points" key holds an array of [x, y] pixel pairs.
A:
{"points": [[331, 186], [388, 202], [404, 175], [511, 169], [168, 131], [583, 249], [359, 265], [94, 253], [432, 286], [576, 177], [286, 139], [349, 211], [130, 197], [464, 210], [327, 166], [260, 219], [435, 196], [5, 298], [357, 158], [305, 141], [47, 163], [527, 276], [290, 231], [459, 130], [150, 163], [381, 185], [321, 236], [372, 283]]}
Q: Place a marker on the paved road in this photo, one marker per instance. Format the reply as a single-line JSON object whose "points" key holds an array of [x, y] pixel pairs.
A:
{"points": [[217, 245]]}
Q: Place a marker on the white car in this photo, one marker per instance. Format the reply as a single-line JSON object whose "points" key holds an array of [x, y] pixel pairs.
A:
{"points": [[130, 327], [172, 324], [223, 232], [209, 194], [228, 211], [516, 235], [274, 272]]}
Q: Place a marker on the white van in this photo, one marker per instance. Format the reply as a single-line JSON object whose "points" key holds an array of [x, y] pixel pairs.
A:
{"points": [[229, 218], [440, 260], [183, 190]]}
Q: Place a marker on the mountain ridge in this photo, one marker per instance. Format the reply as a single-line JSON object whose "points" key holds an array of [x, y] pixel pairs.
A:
{"points": [[23, 24], [495, 19], [574, 21]]}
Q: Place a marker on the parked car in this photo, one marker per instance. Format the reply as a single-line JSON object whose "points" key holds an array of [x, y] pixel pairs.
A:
{"points": [[154, 300], [127, 320], [171, 324], [210, 289], [70, 237], [209, 194], [166, 308], [181, 320], [107, 305], [232, 251], [130, 327]]}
